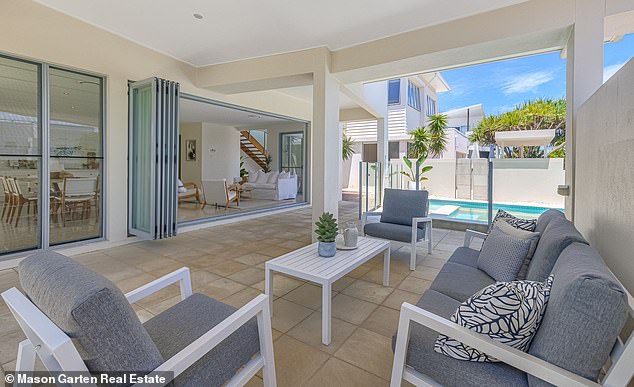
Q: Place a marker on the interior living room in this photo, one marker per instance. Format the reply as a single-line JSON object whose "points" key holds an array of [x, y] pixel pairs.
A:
{"points": [[234, 160], [138, 138]]}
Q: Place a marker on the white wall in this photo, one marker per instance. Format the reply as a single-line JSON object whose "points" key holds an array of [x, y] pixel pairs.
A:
{"points": [[604, 191], [191, 171], [532, 181], [220, 152]]}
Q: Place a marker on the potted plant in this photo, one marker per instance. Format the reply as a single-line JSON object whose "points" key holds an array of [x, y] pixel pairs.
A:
{"points": [[326, 234], [267, 163], [411, 172], [244, 173]]}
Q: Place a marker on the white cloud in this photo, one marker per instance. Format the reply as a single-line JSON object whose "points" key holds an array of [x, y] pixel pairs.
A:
{"points": [[610, 70], [526, 82]]}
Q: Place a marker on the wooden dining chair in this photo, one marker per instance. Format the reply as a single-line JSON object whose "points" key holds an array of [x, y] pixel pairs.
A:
{"points": [[19, 199], [6, 205], [77, 193]]}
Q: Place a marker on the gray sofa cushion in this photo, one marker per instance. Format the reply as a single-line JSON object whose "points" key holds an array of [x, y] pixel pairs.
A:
{"points": [[180, 325], [445, 370], [502, 255], [559, 234], [90, 309], [546, 217], [391, 231], [400, 206], [586, 311], [460, 281], [465, 256]]}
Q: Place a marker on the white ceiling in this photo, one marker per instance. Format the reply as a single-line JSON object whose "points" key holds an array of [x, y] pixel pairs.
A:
{"points": [[194, 111], [305, 93], [240, 29]]}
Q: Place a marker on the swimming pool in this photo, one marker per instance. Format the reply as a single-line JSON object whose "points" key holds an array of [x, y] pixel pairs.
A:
{"points": [[478, 211]]}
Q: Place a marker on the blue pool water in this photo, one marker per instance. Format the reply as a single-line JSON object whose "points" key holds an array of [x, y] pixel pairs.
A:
{"points": [[478, 211]]}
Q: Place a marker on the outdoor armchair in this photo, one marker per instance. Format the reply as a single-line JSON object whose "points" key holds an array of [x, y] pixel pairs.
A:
{"points": [[200, 340]]}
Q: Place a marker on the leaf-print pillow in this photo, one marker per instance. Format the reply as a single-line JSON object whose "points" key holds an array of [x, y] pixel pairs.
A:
{"points": [[508, 312]]}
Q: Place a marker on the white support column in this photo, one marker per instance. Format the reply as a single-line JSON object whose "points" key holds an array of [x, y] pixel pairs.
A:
{"points": [[584, 76], [326, 146], [382, 148]]}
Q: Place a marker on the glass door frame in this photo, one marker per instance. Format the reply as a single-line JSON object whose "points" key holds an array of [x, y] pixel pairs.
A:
{"points": [[304, 154], [44, 141]]}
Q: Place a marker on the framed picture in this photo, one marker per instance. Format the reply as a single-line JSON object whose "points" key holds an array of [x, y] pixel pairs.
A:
{"points": [[190, 150]]}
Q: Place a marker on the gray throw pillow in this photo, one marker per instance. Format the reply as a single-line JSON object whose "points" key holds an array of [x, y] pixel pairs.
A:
{"points": [[521, 234], [502, 255]]}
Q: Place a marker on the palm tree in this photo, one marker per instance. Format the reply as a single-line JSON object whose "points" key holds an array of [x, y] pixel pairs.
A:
{"points": [[347, 147], [437, 137]]}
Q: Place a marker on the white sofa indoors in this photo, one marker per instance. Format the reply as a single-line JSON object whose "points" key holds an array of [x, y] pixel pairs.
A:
{"points": [[272, 185]]}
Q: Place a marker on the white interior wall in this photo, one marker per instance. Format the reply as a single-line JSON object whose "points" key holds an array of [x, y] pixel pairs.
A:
{"points": [[191, 171], [604, 192], [220, 152]]}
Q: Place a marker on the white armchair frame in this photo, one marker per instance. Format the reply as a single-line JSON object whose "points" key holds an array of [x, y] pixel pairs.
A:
{"points": [[469, 235], [413, 242], [58, 354], [619, 374]]}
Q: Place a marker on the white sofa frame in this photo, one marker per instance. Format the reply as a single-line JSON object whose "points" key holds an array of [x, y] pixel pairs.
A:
{"points": [[58, 354], [413, 242], [617, 375]]}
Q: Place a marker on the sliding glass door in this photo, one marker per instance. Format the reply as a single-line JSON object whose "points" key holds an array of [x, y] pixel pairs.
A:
{"points": [[51, 155], [292, 156]]}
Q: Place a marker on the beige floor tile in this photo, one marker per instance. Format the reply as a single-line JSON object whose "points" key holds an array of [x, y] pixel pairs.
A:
{"points": [[425, 272], [160, 296], [287, 314], [414, 285], [368, 291], [342, 283], [383, 321], [161, 306], [227, 268], [256, 381], [350, 309], [376, 276], [132, 283], [248, 276], [241, 298], [360, 271], [201, 278], [296, 362], [281, 285], [398, 297], [369, 351], [307, 295], [252, 259], [309, 332], [338, 373]]}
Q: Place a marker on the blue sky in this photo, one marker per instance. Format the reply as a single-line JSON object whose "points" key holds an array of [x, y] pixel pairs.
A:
{"points": [[500, 86]]}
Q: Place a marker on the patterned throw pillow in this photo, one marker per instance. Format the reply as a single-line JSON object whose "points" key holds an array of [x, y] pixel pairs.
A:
{"points": [[522, 224], [507, 312], [502, 255]]}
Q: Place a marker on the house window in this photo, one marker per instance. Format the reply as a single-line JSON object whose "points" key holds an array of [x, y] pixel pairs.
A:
{"points": [[431, 106], [393, 150], [413, 95], [394, 92]]}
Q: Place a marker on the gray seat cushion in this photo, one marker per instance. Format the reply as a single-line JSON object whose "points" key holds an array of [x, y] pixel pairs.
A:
{"points": [[586, 311], [546, 217], [391, 231], [559, 234], [460, 281], [90, 309], [180, 325], [401, 205], [445, 370], [465, 256]]}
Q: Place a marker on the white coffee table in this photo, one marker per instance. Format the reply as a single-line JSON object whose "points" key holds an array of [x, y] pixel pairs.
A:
{"points": [[306, 264]]}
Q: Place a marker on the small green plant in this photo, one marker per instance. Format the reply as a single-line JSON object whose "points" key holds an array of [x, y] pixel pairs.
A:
{"points": [[267, 163], [326, 228], [243, 171], [411, 166], [347, 147]]}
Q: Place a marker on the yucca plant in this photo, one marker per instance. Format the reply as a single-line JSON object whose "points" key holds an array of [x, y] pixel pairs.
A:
{"points": [[326, 228], [347, 147]]}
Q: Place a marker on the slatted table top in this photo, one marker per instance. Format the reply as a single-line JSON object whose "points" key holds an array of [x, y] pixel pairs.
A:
{"points": [[307, 264]]}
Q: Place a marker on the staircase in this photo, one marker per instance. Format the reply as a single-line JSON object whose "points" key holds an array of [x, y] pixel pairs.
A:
{"points": [[252, 148]]}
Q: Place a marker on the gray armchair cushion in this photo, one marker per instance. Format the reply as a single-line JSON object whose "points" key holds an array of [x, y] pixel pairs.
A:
{"points": [[182, 324], [586, 311], [445, 370], [90, 309], [393, 232], [559, 234], [400, 206], [465, 256], [546, 217], [460, 281]]}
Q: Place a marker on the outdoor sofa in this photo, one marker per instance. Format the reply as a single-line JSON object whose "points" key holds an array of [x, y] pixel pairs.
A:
{"points": [[579, 332]]}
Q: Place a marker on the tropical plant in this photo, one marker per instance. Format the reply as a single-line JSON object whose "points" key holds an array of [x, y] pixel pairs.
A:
{"points": [[412, 166], [267, 163], [243, 170], [531, 115], [326, 228], [347, 147], [420, 143], [437, 137]]}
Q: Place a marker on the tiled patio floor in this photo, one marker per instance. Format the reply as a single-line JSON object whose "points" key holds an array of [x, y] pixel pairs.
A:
{"points": [[227, 263]]}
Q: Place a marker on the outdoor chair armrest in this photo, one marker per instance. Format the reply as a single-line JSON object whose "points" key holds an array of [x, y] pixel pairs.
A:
{"points": [[181, 275], [514, 357], [190, 184], [470, 234], [189, 355]]}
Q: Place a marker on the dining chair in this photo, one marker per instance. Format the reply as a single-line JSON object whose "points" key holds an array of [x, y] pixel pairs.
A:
{"points": [[6, 205], [77, 192], [19, 199]]}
